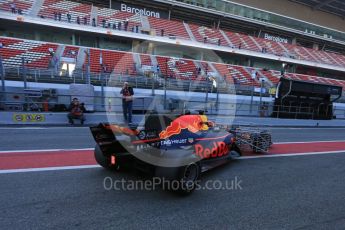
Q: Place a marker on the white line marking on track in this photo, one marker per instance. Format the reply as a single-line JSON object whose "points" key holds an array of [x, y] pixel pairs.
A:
{"points": [[45, 150], [9, 171], [91, 149], [290, 155], [308, 142]]}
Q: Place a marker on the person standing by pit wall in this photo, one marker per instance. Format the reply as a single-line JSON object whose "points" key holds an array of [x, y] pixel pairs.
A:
{"points": [[127, 102]]}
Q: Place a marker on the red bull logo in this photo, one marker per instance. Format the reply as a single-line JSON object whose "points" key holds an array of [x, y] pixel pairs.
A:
{"points": [[219, 149], [194, 124]]}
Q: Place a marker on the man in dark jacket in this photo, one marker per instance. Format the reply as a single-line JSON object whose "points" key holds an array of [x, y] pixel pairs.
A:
{"points": [[127, 102]]}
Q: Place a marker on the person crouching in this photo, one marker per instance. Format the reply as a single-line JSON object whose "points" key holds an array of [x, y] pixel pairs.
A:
{"points": [[76, 112]]}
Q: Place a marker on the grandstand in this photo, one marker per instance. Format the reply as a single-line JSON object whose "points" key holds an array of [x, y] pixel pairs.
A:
{"points": [[101, 38]]}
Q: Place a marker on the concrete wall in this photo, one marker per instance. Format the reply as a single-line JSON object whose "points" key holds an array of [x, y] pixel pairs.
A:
{"points": [[229, 105]]}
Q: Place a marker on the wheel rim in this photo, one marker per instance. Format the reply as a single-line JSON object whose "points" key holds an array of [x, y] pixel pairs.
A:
{"points": [[191, 174]]}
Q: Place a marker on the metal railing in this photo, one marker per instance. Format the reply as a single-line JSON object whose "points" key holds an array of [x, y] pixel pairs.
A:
{"points": [[113, 104], [117, 79]]}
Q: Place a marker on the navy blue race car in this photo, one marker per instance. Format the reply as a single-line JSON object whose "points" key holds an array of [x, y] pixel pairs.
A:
{"points": [[175, 149]]}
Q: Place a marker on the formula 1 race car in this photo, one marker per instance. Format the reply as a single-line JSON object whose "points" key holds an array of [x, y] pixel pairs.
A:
{"points": [[178, 149], [252, 139]]}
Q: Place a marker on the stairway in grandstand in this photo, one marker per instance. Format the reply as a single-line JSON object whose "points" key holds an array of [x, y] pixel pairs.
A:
{"points": [[36, 7], [189, 31], [137, 63], [94, 14], [81, 58], [145, 24]]}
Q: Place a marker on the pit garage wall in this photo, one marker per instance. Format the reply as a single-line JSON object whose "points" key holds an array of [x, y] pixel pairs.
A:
{"points": [[228, 104], [294, 10]]}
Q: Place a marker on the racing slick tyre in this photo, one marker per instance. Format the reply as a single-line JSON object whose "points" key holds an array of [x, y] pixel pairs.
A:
{"points": [[235, 152], [182, 180], [104, 161], [188, 178]]}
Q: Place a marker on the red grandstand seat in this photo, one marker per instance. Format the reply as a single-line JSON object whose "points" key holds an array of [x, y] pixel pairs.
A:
{"points": [[36, 54], [271, 75], [224, 72], [170, 27], [178, 68], [146, 60], [61, 6], [243, 41], [115, 61], [69, 50]]}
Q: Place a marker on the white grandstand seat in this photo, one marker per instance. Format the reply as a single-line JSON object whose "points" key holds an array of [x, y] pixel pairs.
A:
{"points": [[212, 35], [24, 5], [36, 53], [116, 16]]}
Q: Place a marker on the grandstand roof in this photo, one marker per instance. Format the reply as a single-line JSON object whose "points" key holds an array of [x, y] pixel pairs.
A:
{"points": [[336, 7], [102, 3]]}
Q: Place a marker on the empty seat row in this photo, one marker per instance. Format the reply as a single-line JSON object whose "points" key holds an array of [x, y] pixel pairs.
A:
{"points": [[23, 5], [34, 54], [37, 55]]}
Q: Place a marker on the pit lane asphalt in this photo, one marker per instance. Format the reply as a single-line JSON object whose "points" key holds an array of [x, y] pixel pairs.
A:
{"points": [[300, 192], [32, 138], [305, 192]]}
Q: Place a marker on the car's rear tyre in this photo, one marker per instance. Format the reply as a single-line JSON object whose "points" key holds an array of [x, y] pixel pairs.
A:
{"points": [[188, 178], [104, 161]]}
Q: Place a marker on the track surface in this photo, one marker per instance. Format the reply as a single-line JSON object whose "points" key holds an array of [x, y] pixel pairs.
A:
{"points": [[296, 192], [80, 137]]}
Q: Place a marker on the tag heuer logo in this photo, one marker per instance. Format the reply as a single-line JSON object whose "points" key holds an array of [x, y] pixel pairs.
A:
{"points": [[190, 140]]}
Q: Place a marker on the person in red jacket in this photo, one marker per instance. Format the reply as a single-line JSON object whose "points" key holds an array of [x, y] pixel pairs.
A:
{"points": [[76, 111]]}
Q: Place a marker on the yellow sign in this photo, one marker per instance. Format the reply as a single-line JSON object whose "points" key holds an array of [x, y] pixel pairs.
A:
{"points": [[273, 91], [26, 117]]}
